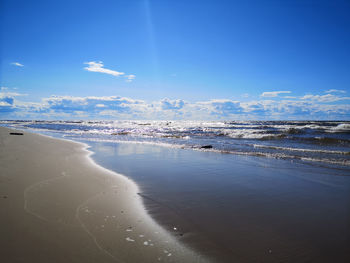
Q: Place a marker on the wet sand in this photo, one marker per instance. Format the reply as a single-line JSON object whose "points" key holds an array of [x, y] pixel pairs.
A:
{"points": [[57, 205], [237, 208]]}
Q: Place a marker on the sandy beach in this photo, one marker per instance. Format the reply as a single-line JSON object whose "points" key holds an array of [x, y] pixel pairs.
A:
{"points": [[59, 206]]}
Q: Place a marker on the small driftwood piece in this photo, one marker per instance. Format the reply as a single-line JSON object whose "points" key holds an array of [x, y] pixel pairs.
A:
{"points": [[16, 133]]}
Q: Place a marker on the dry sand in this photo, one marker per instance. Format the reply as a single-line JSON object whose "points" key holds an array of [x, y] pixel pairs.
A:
{"points": [[57, 205]]}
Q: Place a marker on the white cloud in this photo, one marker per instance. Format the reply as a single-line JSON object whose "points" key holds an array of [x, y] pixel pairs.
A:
{"points": [[94, 107], [17, 64], [6, 93], [167, 104], [5, 104], [221, 107], [94, 66], [273, 93], [130, 77], [324, 98], [335, 91], [8, 101]]}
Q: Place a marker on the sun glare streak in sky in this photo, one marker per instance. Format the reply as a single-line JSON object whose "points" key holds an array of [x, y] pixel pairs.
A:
{"points": [[152, 42]]}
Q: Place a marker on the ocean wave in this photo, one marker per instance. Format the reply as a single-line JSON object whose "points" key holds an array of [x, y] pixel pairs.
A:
{"points": [[291, 139], [343, 127], [284, 156], [326, 140], [300, 149]]}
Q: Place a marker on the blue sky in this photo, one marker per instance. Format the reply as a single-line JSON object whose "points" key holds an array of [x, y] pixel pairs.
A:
{"points": [[182, 59]]}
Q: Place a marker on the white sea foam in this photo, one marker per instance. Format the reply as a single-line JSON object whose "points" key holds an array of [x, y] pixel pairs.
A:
{"points": [[341, 127], [300, 149], [237, 137]]}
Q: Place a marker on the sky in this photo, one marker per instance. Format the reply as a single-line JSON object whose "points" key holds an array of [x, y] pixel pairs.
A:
{"points": [[167, 59]]}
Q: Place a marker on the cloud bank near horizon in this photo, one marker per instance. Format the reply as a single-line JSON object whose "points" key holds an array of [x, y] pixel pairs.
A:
{"points": [[317, 107]]}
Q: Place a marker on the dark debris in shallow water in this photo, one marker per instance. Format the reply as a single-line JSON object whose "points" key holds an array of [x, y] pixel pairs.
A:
{"points": [[207, 147]]}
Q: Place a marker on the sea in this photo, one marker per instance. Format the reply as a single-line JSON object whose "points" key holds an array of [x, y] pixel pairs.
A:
{"points": [[322, 142]]}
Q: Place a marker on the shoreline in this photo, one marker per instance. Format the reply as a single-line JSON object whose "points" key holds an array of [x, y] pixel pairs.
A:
{"points": [[234, 207], [227, 208], [57, 199]]}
